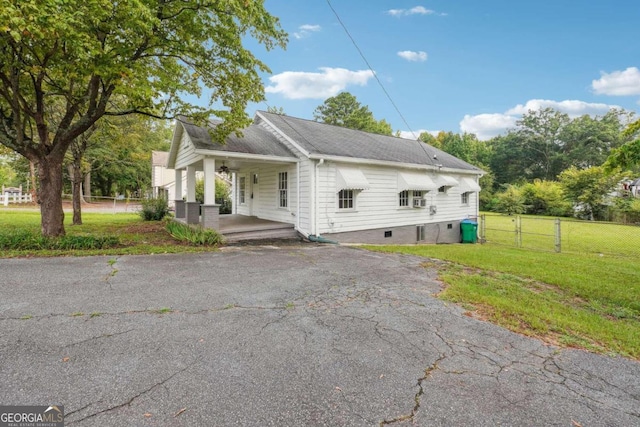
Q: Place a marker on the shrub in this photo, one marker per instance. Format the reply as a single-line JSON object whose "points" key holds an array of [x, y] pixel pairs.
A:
{"points": [[22, 240], [154, 209], [194, 235], [626, 210], [510, 201], [545, 198]]}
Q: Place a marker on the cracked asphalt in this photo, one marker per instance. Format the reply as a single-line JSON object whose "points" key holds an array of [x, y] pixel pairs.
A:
{"points": [[282, 336]]}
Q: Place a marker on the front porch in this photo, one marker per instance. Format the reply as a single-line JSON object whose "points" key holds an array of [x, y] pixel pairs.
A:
{"points": [[237, 228], [240, 227]]}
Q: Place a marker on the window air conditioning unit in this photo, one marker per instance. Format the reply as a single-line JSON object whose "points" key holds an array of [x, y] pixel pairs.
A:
{"points": [[419, 203]]}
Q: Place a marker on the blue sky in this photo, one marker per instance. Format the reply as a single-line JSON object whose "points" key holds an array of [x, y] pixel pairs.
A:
{"points": [[469, 65]]}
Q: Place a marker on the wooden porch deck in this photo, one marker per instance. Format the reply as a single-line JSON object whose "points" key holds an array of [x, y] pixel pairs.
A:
{"points": [[239, 228]]}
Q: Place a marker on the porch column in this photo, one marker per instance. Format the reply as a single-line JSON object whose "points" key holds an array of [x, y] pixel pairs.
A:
{"points": [[210, 211], [192, 208], [234, 193], [179, 202]]}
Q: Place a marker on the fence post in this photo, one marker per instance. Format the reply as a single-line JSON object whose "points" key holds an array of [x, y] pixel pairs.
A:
{"points": [[6, 199], [483, 229], [558, 236], [518, 223]]}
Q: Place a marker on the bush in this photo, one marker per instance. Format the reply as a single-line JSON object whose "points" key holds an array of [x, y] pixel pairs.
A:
{"points": [[626, 210], [545, 198], [510, 201], [30, 240], [194, 235], [154, 209]]}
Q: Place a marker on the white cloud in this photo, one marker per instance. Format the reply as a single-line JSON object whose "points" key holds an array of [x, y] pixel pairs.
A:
{"points": [[306, 30], [572, 107], [308, 85], [416, 133], [417, 10], [410, 55], [486, 126], [619, 83]]}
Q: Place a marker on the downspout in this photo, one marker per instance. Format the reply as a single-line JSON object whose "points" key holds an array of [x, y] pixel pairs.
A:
{"points": [[316, 237], [298, 199], [317, 198]]}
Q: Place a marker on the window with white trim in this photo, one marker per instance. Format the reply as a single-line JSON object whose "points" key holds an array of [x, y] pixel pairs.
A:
{"points": [[465, 198], [442, 189], [283, 190], [241, 190], [346, 199], [403, 199], [417, 194]]}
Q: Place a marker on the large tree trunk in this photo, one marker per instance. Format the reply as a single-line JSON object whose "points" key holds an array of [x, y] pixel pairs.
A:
{"points": [[50, 196]]}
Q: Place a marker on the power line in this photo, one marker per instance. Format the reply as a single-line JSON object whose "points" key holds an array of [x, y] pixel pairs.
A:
{"points": [[375, 75]]}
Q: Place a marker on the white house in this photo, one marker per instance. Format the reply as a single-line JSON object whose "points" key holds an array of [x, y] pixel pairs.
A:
{"points": [[328, 182]]}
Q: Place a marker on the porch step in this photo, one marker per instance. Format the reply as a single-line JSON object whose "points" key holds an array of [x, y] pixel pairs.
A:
{"points": [[288, 233]]}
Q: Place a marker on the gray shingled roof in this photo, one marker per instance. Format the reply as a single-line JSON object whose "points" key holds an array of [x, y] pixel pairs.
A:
{"points": [[328, 140], [255, 139], [323, 139]]}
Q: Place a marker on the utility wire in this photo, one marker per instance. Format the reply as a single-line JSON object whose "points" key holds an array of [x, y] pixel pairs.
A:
{"points": [[375, 75]]}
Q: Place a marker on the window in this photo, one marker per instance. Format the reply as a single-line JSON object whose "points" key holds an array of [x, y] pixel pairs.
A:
{"points": [[345, 199], [282, 190], [465, 198], [417, 194], [241, 194], [404, 198], [442, 189]]}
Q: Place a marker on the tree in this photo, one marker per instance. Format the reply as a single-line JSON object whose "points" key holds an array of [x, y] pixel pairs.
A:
{"points": [[345, 110], [588, 189], [628, 155], [276, 110], [64, 65], [588, 141]]}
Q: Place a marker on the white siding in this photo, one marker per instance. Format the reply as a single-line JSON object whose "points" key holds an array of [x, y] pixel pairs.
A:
{"points": [[378, 206], [186, 153], [265, 202], [306, 169]]}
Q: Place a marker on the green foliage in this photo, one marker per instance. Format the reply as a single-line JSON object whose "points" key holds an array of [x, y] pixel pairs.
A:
{"points": [[21, 239], [588, 189], [627, 210], [223, 194], [510, 201], [154, 209], [72, 62], [194, 235], [345, 110], [545, 198], [546, 142]]}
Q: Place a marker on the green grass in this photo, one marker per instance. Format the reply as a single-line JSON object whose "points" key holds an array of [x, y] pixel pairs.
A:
{"points": [[576, 236], [578, 300], [134, 235]]}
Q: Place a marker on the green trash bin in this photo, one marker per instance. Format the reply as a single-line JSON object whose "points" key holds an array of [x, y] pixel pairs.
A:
{"points": [[469, 231]]}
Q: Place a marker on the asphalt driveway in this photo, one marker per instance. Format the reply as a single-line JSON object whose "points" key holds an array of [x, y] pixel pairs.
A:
{"points": [[289, 336]]}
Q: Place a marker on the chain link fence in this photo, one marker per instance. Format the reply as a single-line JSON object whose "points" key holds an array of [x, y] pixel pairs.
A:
{"points": [[560, 234]]}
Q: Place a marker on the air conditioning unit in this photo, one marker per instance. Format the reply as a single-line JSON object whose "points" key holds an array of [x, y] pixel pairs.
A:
{"points": [[419, 203]]}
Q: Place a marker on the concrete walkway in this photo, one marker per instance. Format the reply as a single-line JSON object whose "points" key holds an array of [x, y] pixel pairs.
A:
{"points": [[289, 336]]}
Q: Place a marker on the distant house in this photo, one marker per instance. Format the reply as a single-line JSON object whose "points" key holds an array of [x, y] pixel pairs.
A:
{"points": [[162, 178], [328, 181]]}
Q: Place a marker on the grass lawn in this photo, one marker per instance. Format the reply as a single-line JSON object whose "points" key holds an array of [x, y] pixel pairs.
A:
{"points": [[577, 300], [136, 236], [538, 232]]}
